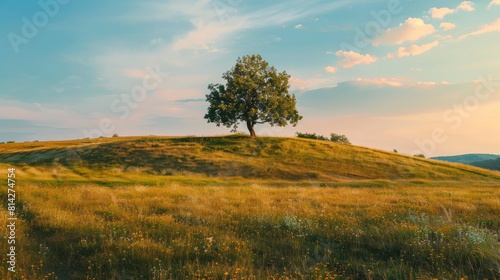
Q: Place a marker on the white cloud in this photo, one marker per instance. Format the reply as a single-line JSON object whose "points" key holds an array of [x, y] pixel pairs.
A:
{"points": [[466, 6], [440, 13], [413, 50], [393, 82], [487, 28], [298, 26], [416, 69], [411, 30], [330, 69], [352, 59], [447, 25], [494, 2]]}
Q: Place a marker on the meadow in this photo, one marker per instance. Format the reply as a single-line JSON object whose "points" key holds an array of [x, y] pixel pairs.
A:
{"points": [[198, 214]]}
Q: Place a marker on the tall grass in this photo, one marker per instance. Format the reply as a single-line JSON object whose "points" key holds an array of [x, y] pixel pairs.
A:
{"points": [[173, 231]]}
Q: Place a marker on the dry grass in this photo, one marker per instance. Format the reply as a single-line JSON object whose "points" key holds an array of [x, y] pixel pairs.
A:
{"points": [[238, 156], [234, 208], [256, 231]]}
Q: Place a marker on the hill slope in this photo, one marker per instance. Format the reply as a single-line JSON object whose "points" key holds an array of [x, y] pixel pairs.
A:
{"points": [[468, 158], [234, 156], [492, 164]]}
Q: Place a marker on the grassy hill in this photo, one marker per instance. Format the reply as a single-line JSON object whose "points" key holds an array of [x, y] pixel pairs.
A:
{"points": [[468, 158], [238, 208], [290, 159], [492, 164]]}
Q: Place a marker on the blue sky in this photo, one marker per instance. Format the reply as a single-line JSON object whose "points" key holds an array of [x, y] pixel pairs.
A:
{"points": [[72, 69]]}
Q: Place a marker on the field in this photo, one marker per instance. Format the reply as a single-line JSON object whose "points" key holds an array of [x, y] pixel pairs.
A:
{"points": [[238, 208]]}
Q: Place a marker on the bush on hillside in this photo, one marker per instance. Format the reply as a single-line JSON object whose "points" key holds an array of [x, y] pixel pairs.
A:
{"points": [[333, 137], [339, 138], [311, 136]]}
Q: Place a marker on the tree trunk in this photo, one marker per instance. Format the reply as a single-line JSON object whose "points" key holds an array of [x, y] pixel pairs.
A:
{"points": [[250, 128]]}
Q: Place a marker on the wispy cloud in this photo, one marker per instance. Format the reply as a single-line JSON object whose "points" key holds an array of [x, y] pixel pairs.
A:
{"points": [[428, 84], [207, 34], [41, 114], [487, 28], [413, 50], [393, 82], [411, 30]]}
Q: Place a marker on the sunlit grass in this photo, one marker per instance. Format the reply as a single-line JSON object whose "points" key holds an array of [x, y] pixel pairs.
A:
{"points": [[239, 208], [230, 157], [256, 231]]}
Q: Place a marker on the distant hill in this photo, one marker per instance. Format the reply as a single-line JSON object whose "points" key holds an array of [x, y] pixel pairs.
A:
{"points": [[236, 156], [468, 158], [492, 164]]}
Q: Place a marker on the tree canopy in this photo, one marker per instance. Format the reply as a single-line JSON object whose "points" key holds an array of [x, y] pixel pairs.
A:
{"points": [[254, 93]]}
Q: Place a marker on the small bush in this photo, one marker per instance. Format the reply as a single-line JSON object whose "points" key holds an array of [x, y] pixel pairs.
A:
{"points": [[339, 138], [310, 136], [419, 155], [10, 142], [333, 137], [115, 135]]}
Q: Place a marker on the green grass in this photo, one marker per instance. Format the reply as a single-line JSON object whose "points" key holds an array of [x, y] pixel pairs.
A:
{"points": [[238, 208]]}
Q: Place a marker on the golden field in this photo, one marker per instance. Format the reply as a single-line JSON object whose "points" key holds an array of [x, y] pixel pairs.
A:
{"points": [[239, 208]]}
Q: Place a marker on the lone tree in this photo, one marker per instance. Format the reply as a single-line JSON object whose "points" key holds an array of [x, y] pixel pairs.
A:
{"points": [[255, 93]]}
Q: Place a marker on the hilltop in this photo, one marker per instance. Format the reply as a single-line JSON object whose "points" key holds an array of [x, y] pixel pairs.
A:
{"points": [[236, 156]]}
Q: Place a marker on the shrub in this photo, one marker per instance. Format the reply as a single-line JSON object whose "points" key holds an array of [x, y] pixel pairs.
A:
{"points": [[419, 155], [339, 138], [307, 135], [333, 137], [115, 135]]}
